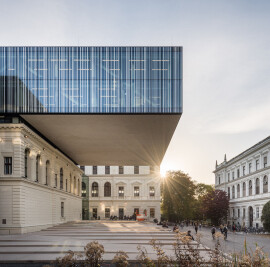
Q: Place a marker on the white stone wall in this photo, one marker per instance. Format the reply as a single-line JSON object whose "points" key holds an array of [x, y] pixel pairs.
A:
{"points": [[115, 170], [241, 172], [25, 203], [128, 202]]}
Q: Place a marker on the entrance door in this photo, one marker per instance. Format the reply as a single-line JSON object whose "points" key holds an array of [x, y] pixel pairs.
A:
{"points": [[136, 211], [95, 213], [250, 216], [121, 214]]}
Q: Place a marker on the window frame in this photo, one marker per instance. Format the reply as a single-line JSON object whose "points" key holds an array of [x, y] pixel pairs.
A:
{"points": [[8, 165]]}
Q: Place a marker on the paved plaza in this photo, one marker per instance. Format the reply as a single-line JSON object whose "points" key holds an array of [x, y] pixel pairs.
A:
{"points": [[235, 242], [54, 242]]}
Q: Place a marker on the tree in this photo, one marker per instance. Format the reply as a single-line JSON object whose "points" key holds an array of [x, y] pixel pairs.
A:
{"points": [[215, 206], [178, 196], [266, 216], [201, 190]]}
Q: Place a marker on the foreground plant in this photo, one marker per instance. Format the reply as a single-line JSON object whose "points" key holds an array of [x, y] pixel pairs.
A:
{"points": [[257, 258], [186, 252], [120, 259]]}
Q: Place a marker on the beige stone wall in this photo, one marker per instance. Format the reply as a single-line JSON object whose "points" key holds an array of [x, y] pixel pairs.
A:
{"points": [[25, 203]]}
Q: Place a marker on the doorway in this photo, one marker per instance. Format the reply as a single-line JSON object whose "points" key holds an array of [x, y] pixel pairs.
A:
{"points": [[250, 211], [121, 213]]}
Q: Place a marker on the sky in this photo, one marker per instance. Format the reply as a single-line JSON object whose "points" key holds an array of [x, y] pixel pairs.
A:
{"points": [[226, 66]]}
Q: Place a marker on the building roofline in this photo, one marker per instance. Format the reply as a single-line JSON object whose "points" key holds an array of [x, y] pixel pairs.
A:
{"points": [[245, 152]]}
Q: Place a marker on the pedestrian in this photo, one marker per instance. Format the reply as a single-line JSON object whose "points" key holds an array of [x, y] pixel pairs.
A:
{"points": [[196, 228], [234, 228], [189, 234], [213, 231], [225, 232], [175, 228], [221, 228], [200, 226]]}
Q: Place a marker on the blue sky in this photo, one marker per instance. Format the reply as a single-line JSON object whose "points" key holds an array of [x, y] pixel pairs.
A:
{"points": [[226, 62]]}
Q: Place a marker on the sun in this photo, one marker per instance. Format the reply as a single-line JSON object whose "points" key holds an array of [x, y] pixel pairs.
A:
{"points": [[163, 171]]}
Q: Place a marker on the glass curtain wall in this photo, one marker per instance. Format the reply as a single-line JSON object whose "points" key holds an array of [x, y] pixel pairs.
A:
{"points": [[90, 80]]}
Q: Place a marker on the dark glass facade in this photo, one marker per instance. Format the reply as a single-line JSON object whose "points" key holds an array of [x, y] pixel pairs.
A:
{"points": [[90, 80]]}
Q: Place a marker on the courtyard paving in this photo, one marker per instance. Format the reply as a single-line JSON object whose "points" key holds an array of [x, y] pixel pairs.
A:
{"points": [[55, 242], [235, 242]]}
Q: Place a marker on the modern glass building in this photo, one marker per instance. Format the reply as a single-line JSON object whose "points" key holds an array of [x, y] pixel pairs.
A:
{"points": [[90, 80], [61, 92]]}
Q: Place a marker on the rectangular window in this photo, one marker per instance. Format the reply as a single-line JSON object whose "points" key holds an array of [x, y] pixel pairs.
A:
{"points": [[244, 213], [94, 169], [151, 191], [62, 210], [55, 180], [238, 173], [249, 167], [233, 175], [265, 162], [107, 169], [107, 212], [136, 169], [238, 213], [121, 170], [257, 164], [244, 170], [233, 213], [228, 177], [7, 165], [136, 191], [257, 212], [121, 191], [152, 213]]}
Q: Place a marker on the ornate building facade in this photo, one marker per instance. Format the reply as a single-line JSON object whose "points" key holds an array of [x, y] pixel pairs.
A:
{"points": [[39, 185], [121, 191], [245, 178]]}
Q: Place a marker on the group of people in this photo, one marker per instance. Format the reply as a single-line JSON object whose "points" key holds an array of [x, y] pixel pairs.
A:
{"points": [[223, 229]]}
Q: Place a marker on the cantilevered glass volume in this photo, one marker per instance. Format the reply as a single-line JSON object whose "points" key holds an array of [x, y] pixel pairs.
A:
{"points": [[90, 80]]}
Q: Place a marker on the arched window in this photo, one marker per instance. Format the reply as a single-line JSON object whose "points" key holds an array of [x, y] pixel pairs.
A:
{"points": [[265, 184], [83, 189], [107, 189], [244, 190], [47, 172], [74, 186], [61, 178], [257, 186], [250, 188], [26, 155], [233, 192], [94, 189], [238, 190], [37, 167]]}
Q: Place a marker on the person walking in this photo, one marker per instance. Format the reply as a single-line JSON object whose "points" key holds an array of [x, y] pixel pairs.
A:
{"points": [[234, 228], [213, 231], [225, 232], [196, 228]]}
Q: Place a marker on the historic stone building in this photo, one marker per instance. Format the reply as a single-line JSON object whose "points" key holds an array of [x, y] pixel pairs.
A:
{"points": [[39, 185], [121, 191], [61, 107], [246, 180]]}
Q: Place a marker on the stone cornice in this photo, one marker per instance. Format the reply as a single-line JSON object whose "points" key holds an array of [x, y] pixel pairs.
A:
{"points": [[244, 154], [30, 182], [31, 134]]}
